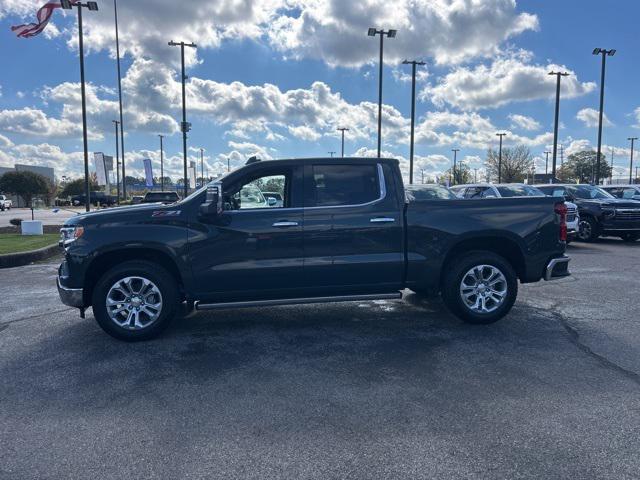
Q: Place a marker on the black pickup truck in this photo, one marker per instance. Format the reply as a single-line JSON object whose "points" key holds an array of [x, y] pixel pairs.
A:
{"points": [[600, 212], [346, 230]]}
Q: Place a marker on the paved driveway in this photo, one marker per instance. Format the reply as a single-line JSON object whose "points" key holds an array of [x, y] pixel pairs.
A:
{"points": [[359, 390]]}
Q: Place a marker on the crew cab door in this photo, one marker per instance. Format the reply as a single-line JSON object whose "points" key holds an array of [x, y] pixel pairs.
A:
{"points": [[254, 247], [353, 228]]}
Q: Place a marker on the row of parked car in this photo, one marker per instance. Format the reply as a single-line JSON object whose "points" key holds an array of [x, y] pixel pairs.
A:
{"points": [[592, 211]]}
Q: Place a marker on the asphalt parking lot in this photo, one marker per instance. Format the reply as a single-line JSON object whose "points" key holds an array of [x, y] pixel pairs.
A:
{"points": [[396, 389], [47, 216]]}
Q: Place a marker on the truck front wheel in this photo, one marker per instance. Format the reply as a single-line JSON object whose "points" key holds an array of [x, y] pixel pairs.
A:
{"points": [[479, 287], [135, 301]]}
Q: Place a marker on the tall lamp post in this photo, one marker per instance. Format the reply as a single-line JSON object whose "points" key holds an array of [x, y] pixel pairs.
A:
{"points": [[455, 158], [604, 53], [500, 157], [546, 165], [372, 32], [202, 166], [558, 75], [342, 129], [161, 162], [117, 124], [413, 64], [92, 6], [633, 139], [124, 185], [184, 126]]}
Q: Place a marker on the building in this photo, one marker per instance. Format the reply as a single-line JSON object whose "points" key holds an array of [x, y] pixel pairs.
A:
{"points": [[46, 172]]}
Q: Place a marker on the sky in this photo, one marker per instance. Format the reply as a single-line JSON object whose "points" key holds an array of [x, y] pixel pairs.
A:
{"points": [[276, 78]]}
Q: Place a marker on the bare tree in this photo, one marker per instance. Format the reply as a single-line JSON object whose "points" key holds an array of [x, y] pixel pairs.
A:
{"points": [[516, 164]]}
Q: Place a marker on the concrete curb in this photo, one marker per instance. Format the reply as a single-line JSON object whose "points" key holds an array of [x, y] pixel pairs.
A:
{"points": [[10, 260]]}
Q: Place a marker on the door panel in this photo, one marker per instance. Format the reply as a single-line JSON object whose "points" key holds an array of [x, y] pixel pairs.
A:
{"points": [[354, 246], [254, 252]]}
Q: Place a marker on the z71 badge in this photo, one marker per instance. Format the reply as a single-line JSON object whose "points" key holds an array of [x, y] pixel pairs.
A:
{"points": [[166, 213]]}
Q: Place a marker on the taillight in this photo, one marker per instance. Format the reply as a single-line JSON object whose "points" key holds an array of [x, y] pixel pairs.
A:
{"points": [[561, 211]]}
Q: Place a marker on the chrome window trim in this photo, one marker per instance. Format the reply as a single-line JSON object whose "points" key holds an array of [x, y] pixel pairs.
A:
{"points": [[383, 195]]}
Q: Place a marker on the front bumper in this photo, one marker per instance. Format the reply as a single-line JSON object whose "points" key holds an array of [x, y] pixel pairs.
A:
{"points": [[73, 297], [557, 268]]}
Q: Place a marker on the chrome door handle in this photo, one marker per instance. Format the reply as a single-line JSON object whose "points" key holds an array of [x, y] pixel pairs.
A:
{"points": [[382, 220], [285, 224]]}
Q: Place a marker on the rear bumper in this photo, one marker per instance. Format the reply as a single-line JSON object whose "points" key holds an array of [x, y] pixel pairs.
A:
{"points": [[557, 268], [72, 297]]}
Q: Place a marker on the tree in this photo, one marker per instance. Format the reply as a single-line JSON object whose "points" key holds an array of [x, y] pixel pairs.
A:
{"points": [[516, 164], [76, 187], [580, 167], [25, 184], [462, 174]]}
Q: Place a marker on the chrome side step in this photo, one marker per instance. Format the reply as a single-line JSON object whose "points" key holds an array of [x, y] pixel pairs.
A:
{"points": [[296, 301]]}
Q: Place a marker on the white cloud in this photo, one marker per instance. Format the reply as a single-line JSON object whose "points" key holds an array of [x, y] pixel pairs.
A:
{"points": [[335, 31], [590, 118], [523, 122], [506, 80], [36, 123]]}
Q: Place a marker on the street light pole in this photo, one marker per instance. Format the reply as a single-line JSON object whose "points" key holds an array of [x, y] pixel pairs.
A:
{"points": [[342, 129], [558, 75], [604, 53], [422, 171], [202, 166], [124, 185], [413, 64], [500, 157], [372, 32], [546, 166], [185, 127], [117, 124], [561, 155], [611, 174], [633, 139], [161, 163], [93, 6], [455, 157]]}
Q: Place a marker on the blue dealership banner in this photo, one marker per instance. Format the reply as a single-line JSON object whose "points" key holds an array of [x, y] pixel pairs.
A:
{"points": [[148, 172]]}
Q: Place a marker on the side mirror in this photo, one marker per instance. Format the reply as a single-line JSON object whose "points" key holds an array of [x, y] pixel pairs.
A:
{"points": [[213, 203], [272, 202]]}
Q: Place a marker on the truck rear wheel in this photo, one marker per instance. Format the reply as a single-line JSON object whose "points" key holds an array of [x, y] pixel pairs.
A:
{"points": [[135, 301], [479, 287]]}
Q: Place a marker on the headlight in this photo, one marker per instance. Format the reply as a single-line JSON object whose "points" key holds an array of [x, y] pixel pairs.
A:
{"points": [[69, 235], [608, 212]]}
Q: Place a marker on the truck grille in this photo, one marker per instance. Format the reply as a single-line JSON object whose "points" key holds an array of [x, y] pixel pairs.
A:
{"points": [[571, 214], [628, 213]]}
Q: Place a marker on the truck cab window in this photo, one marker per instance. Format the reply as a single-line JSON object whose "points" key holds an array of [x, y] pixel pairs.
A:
{"points": [[335, 185], [269, 191]]}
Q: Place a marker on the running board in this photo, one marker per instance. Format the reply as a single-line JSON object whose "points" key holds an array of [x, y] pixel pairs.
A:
{"points": [[296, 301]]}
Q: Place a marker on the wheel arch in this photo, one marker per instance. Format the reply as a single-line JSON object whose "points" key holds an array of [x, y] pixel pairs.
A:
{"points": [[504, 247], [103, 262]]}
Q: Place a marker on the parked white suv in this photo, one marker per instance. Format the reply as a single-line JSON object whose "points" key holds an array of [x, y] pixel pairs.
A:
{"points": [[508, 190], [5, 203]]}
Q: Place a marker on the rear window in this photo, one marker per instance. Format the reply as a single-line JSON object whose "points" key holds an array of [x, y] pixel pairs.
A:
{"points": [[161, 197], [430, 192], [519, 191], [334, 185]]}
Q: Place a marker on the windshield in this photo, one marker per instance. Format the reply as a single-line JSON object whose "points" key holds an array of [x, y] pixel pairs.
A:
{"points": [[519, 191], [428, 192], [194, 194], [587, 192]]}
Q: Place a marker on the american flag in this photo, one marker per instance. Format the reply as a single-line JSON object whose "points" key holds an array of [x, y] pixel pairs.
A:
{"points": [[43, 16]]}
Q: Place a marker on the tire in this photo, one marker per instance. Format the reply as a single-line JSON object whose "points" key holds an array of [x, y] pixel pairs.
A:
{"points": [[465, 269], [140, 318], [630, 237], [588, 230]]}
